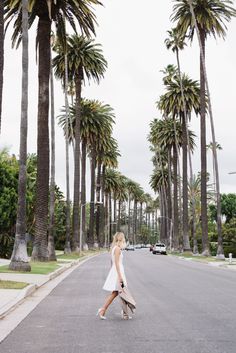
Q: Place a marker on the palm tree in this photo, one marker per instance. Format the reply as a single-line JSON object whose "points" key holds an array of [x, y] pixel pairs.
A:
{"points": [[171, 103], [107, 147], [51, 225], [218, 147], [142, 200], [1, 56], [194, 189], [206, 17], [175, 42], [137, 197], [111, 183], [131, 187], [165, 133], [122, 197], [85, 60], [109, 161], [47, 11], [101, 142], [69, 135], [97, 119], [19, 259], [159, 183]]}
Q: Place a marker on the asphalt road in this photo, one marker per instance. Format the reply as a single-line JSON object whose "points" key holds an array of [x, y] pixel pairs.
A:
{"points": [[182, 307]]}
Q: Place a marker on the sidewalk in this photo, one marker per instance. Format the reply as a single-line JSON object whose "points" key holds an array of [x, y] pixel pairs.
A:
{"points": [[214, 262], [11, 298]]}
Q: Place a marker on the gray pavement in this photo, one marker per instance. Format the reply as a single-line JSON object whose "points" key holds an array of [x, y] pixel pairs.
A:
{"points": [[182, 307]]}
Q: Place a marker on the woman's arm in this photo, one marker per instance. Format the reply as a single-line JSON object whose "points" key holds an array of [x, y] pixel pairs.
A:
{"points": [[117, 263]]}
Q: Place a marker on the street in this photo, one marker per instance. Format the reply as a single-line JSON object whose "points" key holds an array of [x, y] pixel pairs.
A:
{"points": [[182, 307]]}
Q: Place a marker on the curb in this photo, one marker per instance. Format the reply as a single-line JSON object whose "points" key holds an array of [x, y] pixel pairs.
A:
{"points": [[30, 289], [6, 309]]}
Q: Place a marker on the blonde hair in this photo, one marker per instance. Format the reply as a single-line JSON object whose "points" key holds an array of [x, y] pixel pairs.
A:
{"points": [[119, 240]]}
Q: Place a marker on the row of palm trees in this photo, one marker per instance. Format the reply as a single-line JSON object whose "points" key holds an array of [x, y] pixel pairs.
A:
{"points": [[23, 14], [88, 127], [182, 97], [112, 194]]}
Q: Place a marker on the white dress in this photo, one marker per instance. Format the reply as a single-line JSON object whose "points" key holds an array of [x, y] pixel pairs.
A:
{"points": [[111, 284]]}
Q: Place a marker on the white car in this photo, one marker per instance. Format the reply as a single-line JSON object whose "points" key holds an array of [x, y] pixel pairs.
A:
{"points": [[129, 247], [159, 248]]}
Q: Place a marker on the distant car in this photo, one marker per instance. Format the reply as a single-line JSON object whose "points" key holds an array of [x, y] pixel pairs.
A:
{"points": [[138, 246], [129, 247], [159, 248]]}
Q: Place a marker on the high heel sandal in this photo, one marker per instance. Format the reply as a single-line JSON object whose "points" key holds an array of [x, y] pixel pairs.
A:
{"points": [[102, 317], [125, 316]]}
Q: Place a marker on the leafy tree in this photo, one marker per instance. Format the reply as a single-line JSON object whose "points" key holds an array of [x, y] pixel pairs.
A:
{"points": [[228, 207], [8, 195], [9, 170]]}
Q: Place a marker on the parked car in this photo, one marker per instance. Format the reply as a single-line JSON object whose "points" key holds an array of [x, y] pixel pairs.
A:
{"points": [[159, 248], [138, 246], [129, 247]]}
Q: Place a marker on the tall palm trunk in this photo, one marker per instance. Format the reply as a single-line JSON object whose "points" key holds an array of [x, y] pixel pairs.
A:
{"points": [[114, 214], [178, 176], [119, 216], [135, 220], [40, 251], [149, 222], [129, 216], [103, 218], [185, 117], [91, 239], [110, 217], [186, 243], [78, 87], [83, 190], [169, 198], [163, 230], [146, 215], [141, 217], [201, 40], [107, 230], [51, 226], [19, 259], [204, 221], [156, 226], [1, 56], [67, 248], [98, 200], [175, 201]]}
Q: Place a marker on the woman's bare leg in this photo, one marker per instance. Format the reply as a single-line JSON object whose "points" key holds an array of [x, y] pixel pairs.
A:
{"points": [[108, 302]]}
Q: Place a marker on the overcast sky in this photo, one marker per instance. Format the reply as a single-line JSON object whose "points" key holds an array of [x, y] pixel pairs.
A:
{"points": [[133, 37]]}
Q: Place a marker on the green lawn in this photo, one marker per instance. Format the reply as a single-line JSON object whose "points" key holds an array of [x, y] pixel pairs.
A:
{"points": [[75, 256], [43, 268], [12, 285], [39, 268]]}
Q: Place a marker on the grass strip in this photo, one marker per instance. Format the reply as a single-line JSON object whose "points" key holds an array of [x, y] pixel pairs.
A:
{"points": [[12, 285], [197, 257], [37, 268], [75, 256]]}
